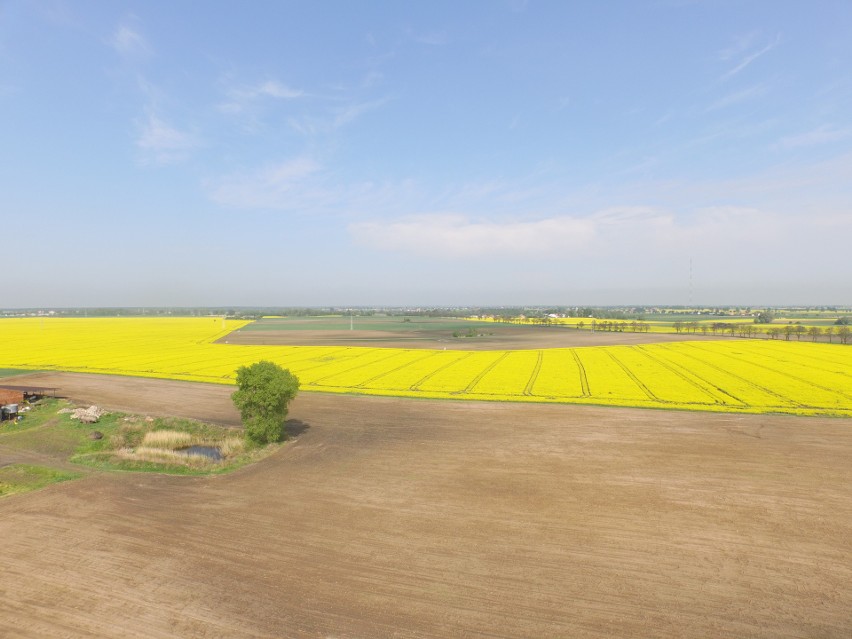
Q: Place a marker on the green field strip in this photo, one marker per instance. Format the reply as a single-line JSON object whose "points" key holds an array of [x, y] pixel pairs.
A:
{"points": [[528, 389], [701, 383]]}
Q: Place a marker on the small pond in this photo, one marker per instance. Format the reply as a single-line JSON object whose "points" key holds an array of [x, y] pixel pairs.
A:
{"points": [[206, 451]]}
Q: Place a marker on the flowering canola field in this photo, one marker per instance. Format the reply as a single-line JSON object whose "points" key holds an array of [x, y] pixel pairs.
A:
{"points": [[752, 376]]}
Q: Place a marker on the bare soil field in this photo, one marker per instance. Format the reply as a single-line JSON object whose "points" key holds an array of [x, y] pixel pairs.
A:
{"points": [[389, 517], [501, 337]]}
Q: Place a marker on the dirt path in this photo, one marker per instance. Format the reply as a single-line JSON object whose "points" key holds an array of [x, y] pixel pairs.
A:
{"points": [[401, 518], [156, 397]]}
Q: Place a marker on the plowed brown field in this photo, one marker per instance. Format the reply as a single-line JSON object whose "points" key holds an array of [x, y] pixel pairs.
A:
{"points": [[496, 337], [405, 518]]}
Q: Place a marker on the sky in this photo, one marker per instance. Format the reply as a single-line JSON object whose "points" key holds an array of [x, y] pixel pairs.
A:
{"points": [[661, 152]]}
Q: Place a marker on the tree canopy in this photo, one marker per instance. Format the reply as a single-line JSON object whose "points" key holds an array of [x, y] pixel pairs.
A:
{"points": [[264, 392]]}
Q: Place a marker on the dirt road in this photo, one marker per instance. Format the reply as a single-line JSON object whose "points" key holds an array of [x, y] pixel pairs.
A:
{"points": [[401, 518]]}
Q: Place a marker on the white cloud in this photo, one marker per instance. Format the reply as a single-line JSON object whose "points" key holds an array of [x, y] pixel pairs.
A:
{"points": [[275, 89], [164, 143], [458, 236], [129, 43], [625, 234], [279, 186], [821, 135]]}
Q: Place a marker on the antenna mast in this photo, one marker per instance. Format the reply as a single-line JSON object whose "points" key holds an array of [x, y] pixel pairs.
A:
{"points": [[690, 282]]}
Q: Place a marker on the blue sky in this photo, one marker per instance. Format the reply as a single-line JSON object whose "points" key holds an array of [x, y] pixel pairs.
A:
{"points": [[434, 153]]}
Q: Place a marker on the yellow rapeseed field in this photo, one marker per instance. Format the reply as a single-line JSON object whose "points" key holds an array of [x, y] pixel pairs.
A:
{"points": [[753, 376]]}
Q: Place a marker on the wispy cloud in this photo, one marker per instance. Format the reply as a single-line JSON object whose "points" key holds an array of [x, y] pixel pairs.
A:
{"points": [[821, 135], [737, 97], [457, 236], [627, 231], [433, 38], [750, 55], [278, 186], [163, 143], [239, 98], [334, 117], [129, 42]]}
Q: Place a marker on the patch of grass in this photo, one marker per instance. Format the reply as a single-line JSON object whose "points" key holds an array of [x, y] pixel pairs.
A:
{"points": [[21, 478], [133, 443], [39, 413], [9, 372], [167, 439], [129, 442]]}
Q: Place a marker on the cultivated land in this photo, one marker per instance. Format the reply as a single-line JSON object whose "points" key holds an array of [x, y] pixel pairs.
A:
{"points": [[389, 517], [732, 375], [394, 332]]}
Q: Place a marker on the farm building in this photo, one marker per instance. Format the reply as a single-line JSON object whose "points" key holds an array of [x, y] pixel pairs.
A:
{"points": [[9, 402], [20, 394], [9, 396]]}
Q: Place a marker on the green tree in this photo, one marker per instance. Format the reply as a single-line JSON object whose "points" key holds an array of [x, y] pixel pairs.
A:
{"points": [[264, 392], [764, 317]]}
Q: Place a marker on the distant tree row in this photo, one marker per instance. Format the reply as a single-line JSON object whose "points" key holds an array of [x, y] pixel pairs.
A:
{"points": [[843, 332], [616, 327]]}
